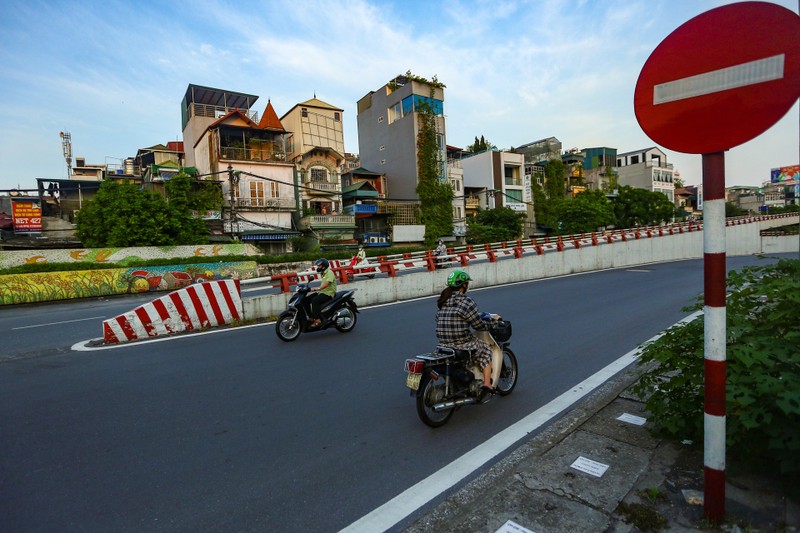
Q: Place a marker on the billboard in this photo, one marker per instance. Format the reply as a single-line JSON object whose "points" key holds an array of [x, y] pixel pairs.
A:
{"points": [[27, 215], [785, 175]]}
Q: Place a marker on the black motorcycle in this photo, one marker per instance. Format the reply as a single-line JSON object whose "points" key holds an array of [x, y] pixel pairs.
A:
{"points": [[443, 380], [340, 312]]}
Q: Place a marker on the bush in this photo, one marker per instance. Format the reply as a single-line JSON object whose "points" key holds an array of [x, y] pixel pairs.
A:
{"points": [[763, 369]]}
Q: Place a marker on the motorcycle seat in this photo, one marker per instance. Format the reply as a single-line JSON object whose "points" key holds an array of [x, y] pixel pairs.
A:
{"points": [[459, 354]]}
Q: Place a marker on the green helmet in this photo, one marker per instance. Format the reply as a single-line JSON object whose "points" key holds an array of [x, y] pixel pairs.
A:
{"points": [[457, 278]]}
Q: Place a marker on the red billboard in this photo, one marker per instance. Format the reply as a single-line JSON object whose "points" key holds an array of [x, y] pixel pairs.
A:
{"points": [[27, 215]]}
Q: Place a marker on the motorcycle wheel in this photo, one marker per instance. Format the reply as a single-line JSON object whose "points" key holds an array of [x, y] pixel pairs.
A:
{"points": [[432, 393], [285, 330], [508, 373], [349, 317]]}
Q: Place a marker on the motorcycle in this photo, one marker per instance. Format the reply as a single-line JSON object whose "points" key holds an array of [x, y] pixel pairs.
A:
{"points": [[443, 381], [341, 313]]}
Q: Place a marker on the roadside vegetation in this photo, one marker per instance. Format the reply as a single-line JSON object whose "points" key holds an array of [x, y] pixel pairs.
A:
{"points": [[763, 372]]}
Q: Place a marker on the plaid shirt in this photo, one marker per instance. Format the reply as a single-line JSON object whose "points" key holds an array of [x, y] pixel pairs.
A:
{"points": [[454, 319]]}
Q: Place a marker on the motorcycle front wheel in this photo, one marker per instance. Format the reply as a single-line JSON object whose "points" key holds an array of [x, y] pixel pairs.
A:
{"points": [[508, 373], [348, 319], [432, 393], [288, 327]]}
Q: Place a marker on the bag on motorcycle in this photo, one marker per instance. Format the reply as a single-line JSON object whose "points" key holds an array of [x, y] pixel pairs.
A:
{"points": [[500, 330]]}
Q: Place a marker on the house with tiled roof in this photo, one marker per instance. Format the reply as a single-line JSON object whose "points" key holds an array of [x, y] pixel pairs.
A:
{"points": [[226, 141]]}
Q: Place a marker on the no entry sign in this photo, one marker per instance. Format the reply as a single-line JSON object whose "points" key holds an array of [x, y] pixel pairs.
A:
{"points": [[721, 79]]}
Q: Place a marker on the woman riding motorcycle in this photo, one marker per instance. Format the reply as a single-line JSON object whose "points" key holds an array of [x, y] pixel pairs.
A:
{"points": [[457, 313]]}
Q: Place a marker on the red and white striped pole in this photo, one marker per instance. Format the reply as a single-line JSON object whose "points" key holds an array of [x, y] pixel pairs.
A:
{"points": [[714, 334]]}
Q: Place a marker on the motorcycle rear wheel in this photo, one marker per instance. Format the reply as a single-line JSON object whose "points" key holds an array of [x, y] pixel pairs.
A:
{"points": [[349, 318], [508, 373], [432, 393], [288, 328]]}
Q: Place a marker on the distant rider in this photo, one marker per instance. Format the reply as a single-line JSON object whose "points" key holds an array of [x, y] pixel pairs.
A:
{"points": [[457, 313]]}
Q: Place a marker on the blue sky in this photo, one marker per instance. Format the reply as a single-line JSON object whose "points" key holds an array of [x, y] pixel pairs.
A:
{"points": [[113, 73]]}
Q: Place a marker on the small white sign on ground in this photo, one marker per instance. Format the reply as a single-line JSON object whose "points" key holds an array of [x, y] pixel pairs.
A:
{"points": [[590, 467], [511, 527], [632, 419]]}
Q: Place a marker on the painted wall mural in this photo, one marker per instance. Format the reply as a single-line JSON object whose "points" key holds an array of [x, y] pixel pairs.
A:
{"points": [[12, 258], [47, 286]]}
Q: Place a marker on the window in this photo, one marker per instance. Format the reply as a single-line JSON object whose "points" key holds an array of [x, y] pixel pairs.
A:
{"points": [[382, 148], [514, 195], [380, 119], [383, 161], [319, 174], [395, 113], [336, 116], [304, 112], [257, 193], [634, 159], [274, 190]]}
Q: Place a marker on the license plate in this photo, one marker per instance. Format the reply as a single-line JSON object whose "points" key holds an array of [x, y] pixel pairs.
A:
{"points": [[412, 381]]}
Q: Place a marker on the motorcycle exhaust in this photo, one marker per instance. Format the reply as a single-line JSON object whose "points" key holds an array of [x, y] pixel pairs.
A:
{"points": [[444, 406]]}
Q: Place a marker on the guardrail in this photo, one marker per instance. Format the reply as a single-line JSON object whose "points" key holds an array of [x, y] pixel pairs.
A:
{"points": [[462, 255]]}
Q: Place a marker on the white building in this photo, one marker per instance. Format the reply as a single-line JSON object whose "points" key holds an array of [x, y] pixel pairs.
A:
{"points": [[647, 169]]}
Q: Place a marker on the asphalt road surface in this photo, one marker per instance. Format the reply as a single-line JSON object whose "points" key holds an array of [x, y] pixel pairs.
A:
{"points": [[235, 430]]}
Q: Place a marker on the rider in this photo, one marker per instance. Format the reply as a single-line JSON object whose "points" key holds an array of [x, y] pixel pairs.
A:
{"points": [[457, 313], [324, 293], [361, 255], [440, 251]]}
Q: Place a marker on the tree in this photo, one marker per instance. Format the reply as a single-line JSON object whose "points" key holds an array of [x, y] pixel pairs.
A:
{"points": [[122, 215], [586, 213], [555, 185], [435, 193], [479, 145], [639, 207], [493, 225]]}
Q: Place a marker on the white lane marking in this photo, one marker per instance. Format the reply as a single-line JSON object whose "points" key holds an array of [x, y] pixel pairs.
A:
{"points": [[402, 505], [734, 77], [56, 323]]}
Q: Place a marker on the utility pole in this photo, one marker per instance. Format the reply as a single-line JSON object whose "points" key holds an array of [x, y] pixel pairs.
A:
{"points": [[233, 179]]}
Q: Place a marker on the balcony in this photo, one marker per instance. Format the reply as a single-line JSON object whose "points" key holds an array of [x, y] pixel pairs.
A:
{"points": [[327, 222], [472, 203], [268, 154], [361, 209], [321, 187]]}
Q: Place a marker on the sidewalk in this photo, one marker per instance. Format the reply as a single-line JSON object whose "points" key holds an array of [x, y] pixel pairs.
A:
{"points": [[650, 484]]}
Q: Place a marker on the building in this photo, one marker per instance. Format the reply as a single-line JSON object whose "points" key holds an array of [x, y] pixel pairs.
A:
{"points": [[647, 169], [599, 167], [455, 175], [226, 141], [363, 193], [316, 147], [497, 179], [388, 127], [541, 151]]}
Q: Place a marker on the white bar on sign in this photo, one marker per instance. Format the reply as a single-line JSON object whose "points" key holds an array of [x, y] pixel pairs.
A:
{"points": [[632, 419], [742, 75], [511, 527], [590, 467]]}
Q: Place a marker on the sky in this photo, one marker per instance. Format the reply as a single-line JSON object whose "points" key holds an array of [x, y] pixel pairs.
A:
{"points": [[113, 74]]}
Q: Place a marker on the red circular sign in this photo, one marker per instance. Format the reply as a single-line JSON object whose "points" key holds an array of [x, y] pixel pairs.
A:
{"points": [[721, 79]]}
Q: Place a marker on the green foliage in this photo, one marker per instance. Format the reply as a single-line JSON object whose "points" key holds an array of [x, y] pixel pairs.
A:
{"points": [[555, 185], [589, 211], [763, 369], [634, 207], [494, 225], [732, 210], [435, 193], [479, 145], [121, 215]]}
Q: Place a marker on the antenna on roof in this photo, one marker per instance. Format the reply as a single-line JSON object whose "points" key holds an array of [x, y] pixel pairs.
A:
{"points": [[66, 146]]}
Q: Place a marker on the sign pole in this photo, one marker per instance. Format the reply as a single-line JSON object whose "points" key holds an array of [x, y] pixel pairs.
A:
{"points": [[714, 334]]}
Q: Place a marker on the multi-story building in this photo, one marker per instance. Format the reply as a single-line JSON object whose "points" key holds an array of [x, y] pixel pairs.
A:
{"points": [[647, 169], [388, 126], [541, 151], [316, 147], [599, 167], [362, 194], [225, 141], [500, 175], [455, 175]]}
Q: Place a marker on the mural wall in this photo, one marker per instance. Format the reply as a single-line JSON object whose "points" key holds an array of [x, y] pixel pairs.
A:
{"points": [[46, 286], [12, 258]]}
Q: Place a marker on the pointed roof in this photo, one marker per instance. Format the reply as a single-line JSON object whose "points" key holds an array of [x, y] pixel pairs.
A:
{"points": [[234, 117], [316, 102], [270, 121]]}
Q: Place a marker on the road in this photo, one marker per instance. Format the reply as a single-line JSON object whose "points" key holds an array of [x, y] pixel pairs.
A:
{"points": [[235, 430]]}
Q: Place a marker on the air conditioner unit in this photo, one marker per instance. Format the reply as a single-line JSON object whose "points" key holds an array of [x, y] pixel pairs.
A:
{"points": [[381, 239], [373, 239]]}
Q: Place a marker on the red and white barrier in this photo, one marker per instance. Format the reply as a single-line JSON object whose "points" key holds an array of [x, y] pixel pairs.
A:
{"points": [[203, 305]]}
